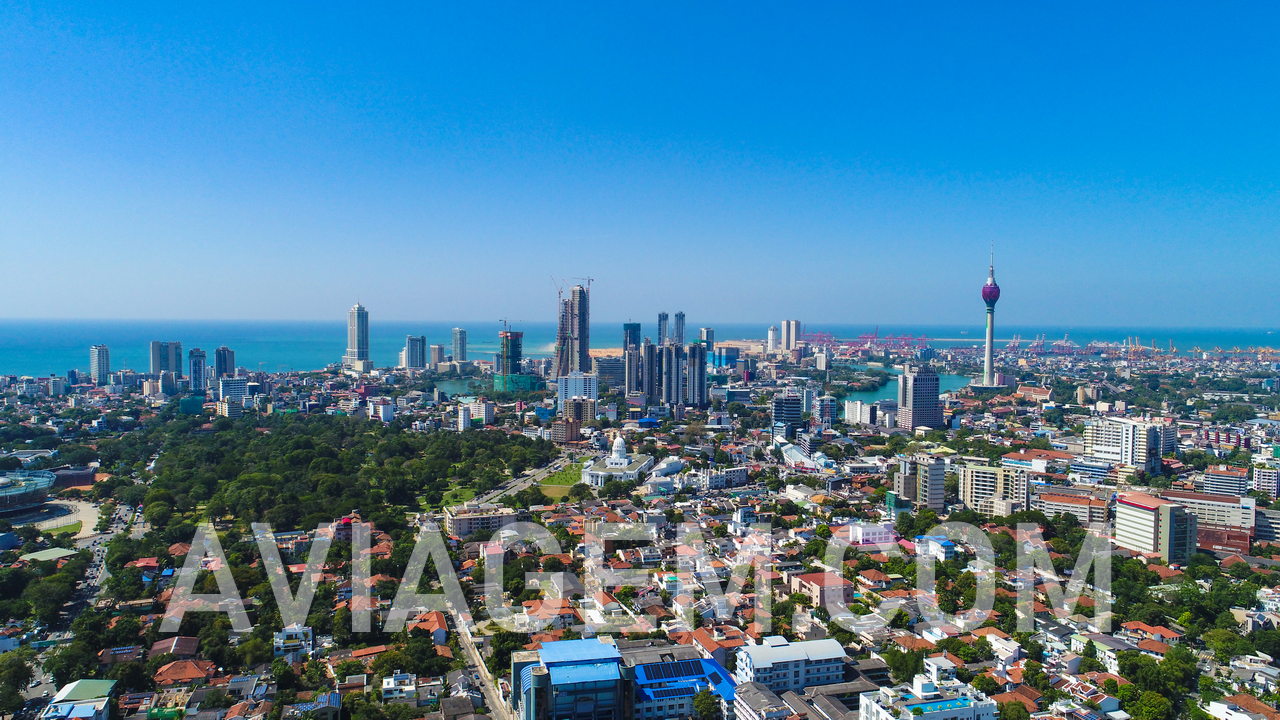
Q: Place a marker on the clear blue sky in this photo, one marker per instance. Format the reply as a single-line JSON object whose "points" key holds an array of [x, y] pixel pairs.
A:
{"points": [[845, 162]]}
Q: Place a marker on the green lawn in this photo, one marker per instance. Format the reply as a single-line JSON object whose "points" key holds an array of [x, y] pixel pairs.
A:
{"points": [[570, 475], [456, 496], [70, 529]]}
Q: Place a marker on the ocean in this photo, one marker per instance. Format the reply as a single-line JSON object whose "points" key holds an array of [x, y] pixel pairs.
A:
{"points": [[44, 347]]}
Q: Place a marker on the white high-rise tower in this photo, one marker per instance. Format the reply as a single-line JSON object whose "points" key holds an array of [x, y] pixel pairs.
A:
{"points": [[357, 357]]}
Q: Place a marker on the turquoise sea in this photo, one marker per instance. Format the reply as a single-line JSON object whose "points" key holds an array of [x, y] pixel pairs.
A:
{"points": [[43, 347]]}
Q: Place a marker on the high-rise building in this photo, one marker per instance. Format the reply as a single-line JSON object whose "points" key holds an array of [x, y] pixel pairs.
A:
{"points": [[651, 383], [787, 414], [459, 345], [994, 490], [197, 364], [414, 354], [166, 356], [677, 330], [357, 357], [510, 352], [990, 294], [435, 355], [707, 337], [771, 343], [611, 371], [1155, 526], [631, 370], [573, 333], [99, 364], [577, 384], [922, 479], [1226, 480], [918, 404], [630, 335], [790, 335], [224, 362], [696, 375], [672, 375], [662, 328], [233, 389], [1123, 441]]}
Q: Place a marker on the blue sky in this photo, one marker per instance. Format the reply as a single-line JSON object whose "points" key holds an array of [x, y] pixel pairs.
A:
{"points": [[746, 162]]}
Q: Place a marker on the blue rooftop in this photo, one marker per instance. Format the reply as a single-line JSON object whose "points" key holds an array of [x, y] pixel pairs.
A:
{"points": [[577, 651], [584, 673]]}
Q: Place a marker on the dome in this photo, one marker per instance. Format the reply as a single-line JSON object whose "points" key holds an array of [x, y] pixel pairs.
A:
{"points": [[619, 447]]}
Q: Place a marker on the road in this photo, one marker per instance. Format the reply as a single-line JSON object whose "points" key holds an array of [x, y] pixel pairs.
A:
{"points": [[87, 595], [492, 697], [515, 485]]}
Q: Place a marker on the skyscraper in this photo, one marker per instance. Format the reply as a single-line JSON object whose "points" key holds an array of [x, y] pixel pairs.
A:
{"points": [[573, 335], [435, 355], [99, 364], [632, 360], [677, 333], [510, 353], [672, 375], [224, 362], [166, 356], [650, 383], [707, 337], [771, 344], [662, 328], [414, 354], [918, 404], [459, 345], [197, 362], [990, 294], [630, 335], [696, 375], [357, 357], [790, 334]]}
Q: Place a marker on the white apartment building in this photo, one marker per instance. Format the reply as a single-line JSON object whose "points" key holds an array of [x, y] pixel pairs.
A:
{"points": [[781, 665], [1217, 510], [1087, 509], [1155, 526], [577, 384], [982, 487], [463, 520], [1266, 480], [1131, 443], [1226, 480]]}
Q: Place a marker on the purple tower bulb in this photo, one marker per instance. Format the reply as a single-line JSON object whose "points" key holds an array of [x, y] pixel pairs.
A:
{"points": [[991, 291]]}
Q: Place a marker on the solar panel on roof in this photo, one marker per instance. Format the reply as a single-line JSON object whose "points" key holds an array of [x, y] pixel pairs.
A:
{"points": [[666, 671], [667, 693]]}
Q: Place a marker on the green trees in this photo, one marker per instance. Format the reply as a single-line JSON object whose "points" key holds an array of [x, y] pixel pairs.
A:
{"points": [[706, 706]]}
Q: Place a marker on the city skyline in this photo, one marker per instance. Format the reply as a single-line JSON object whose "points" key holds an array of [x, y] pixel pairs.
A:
{"points": [[1101, 159]]}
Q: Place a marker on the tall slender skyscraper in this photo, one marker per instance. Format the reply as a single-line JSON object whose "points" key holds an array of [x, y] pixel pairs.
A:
{"points": [[197, 363], [166, 356], [573, 335], [696, 375], [707, 337], [662, 328], [990, 295], [459, 345], [672, 374], [414, 354], [630, 335], [224, 362], [99, 364], [357, 357], [650, 383], [677, 333]]}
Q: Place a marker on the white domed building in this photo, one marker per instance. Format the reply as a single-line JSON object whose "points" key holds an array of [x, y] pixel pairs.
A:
{"points": [[617, 465]]}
